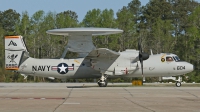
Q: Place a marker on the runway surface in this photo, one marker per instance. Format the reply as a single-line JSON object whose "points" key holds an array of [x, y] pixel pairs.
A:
{"points": [[73, 97]]}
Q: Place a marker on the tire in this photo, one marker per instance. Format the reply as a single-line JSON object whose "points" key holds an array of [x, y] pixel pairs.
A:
{"points": [[106, 83], [99, 84], [178, 84], [103, 84]]}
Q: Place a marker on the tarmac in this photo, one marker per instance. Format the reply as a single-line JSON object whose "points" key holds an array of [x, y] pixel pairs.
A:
{"points": [[88, 97]]}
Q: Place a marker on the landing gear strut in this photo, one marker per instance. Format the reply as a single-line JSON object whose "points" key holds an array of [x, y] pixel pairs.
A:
{"points": [[178, 83], [102, 81]]}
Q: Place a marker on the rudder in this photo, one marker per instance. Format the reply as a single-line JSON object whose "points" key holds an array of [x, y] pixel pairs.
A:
{"points": [[15, 50]]}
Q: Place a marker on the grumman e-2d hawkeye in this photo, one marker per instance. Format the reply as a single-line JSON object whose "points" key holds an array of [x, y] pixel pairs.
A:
{"points": [[92, 62]]}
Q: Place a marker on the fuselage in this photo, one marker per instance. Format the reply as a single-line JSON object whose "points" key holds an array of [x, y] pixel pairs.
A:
{"points": [[126, 65]]}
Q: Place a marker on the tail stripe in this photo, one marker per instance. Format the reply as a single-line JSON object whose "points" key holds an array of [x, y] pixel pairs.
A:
{"points": [[8, 37]]}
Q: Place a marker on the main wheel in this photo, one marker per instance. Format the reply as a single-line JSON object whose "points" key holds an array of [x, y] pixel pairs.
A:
{"points": [[178, 84], [106, 83], [102, 83]]}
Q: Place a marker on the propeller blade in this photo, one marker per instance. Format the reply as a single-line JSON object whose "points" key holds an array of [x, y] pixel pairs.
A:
{"points": [[142, 66], [141, 62], [139, 45], [142, 56]]}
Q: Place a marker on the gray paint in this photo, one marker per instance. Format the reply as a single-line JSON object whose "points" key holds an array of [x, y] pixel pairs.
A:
{"points": [[97, 62]]}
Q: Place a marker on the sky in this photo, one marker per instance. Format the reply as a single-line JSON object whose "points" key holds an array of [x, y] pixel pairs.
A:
{"points": [[81, 7]]}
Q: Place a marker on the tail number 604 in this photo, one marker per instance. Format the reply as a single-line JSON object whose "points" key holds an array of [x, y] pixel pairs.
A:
{"points": [[180, 67]]}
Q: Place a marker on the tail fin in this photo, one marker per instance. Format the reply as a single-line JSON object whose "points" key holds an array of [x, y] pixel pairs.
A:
{"points": [[15, 52]]}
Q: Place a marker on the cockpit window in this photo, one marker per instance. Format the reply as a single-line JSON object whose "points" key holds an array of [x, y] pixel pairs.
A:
{"points": [[176, 58], [169, 58]]}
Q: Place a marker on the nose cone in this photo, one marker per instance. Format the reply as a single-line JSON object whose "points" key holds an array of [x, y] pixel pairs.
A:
{"points": [[190, 67], [185, 67]]}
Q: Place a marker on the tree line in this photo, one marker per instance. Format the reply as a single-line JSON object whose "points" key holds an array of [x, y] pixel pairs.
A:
{"points": [[171, 26]]}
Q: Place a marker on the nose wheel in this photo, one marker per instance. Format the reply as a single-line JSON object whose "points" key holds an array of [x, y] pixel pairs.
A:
{"points": [[178, 84], [103, 81]]}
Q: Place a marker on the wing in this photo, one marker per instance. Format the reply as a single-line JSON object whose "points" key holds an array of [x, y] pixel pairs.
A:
{"points": [[101, 59]]}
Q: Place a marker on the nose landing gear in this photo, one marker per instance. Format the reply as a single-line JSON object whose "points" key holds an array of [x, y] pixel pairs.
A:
{"points": [[178, 84], [103, 81]]}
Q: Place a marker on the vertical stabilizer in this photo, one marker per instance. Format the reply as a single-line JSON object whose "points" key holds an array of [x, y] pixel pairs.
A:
{"points": [[14, 52]]}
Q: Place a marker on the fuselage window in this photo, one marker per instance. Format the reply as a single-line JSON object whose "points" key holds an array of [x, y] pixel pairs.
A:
{"points": [[169, 58], [176, 58]]}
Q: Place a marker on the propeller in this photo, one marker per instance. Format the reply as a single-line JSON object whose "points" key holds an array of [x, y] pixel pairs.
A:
{"points": [[142, 56]]}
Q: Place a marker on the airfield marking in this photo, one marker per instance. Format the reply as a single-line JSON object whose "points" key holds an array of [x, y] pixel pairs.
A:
{"points": [[64, 100], [139, 105], [72, 103], [12, 91], [123, 93], [16, 98], [136, 102], [187, 92]]}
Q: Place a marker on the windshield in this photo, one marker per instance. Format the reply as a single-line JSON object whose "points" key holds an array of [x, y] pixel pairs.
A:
{"points": [[176, 58]]}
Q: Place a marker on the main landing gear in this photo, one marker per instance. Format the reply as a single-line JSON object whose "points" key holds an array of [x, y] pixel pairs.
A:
{"points": [[102, 81]]}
